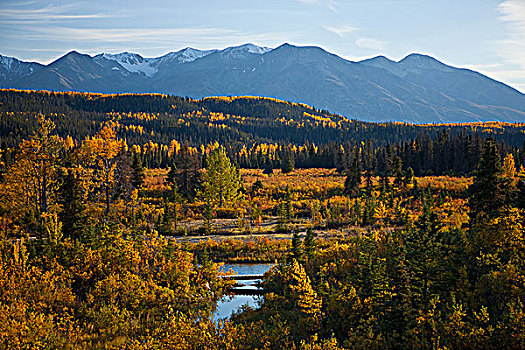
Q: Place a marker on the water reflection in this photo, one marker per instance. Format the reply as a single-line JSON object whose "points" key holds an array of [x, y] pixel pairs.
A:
{"points": [[228, 305]]}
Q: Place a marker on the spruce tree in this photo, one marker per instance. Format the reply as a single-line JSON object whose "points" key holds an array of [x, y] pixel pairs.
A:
{"points": [[287, 165], [185, 172], [409, 177], [353, 180], [70, 199], [297, 248], [309, 244], [489, 190], [137, 174]]}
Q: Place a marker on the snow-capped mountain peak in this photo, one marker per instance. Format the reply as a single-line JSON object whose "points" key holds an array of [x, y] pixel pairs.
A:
{"points": [[7, 62], [241, 51], [190, 54], [186, 55], [132, 62], [12, 68]]}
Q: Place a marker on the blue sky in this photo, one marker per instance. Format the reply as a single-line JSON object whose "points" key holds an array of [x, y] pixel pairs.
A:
{"points": [[484, 35]]}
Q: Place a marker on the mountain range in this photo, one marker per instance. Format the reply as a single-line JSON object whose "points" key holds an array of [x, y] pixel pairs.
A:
{"points": [[417, 89]]}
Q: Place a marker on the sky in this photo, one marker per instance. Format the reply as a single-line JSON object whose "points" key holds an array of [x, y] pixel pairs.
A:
{"points": [[484, 35]]}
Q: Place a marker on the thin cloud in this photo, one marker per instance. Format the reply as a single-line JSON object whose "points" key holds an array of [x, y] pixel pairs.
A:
{"points": [[154, 35], [131, 35], [92, 40], [342, 30], [513, 47], [46, 14]]}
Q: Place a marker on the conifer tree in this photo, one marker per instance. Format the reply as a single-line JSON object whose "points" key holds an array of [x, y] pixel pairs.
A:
{"points": [[353, 180], [297, 248], [137, 176], [287, 165], [409, 177], [488, 192], [397, 169], [185, 172], [309, 244], [70, 199]]}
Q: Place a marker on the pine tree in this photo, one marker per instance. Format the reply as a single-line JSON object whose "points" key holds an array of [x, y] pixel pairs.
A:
{"points": [[368, 211], [425, 254], [288, 206], [369, 182], [286, 211]]}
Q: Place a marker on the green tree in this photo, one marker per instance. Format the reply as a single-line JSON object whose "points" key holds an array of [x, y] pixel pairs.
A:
{"points": [[297, 248], [70, 195], [222, 180], [489, 190], [397, 169], [137, 175], [309, 244], [353, 180], [409, 177], [184, 172], [287, 164]]}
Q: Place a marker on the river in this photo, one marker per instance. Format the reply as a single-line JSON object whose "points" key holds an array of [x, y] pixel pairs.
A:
{"points": [[228, 305]]}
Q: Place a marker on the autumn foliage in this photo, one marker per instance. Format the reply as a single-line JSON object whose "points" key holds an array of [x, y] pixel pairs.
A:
{"points": [[98, 249]]}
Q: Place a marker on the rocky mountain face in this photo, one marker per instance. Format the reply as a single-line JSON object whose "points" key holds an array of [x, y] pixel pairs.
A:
{"points": [[417, 89]]}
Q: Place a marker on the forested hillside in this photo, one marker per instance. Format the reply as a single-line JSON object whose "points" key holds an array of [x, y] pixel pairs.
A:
{"points": [[118, 211], [257, 132]]}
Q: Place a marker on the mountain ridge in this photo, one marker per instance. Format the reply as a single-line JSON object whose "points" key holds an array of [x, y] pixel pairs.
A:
{"points": [[417, 88]]}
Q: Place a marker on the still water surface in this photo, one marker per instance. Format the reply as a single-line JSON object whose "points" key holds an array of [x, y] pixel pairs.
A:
{"points": [[228, 305]]}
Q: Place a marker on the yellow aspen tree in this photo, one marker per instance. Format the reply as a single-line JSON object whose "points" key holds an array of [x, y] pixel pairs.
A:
{"points": [[101, 151], [30, 183]]}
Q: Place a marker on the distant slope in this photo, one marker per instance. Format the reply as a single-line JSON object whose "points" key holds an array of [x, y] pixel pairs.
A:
{"points": [[237, 120], [417, 89]]}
